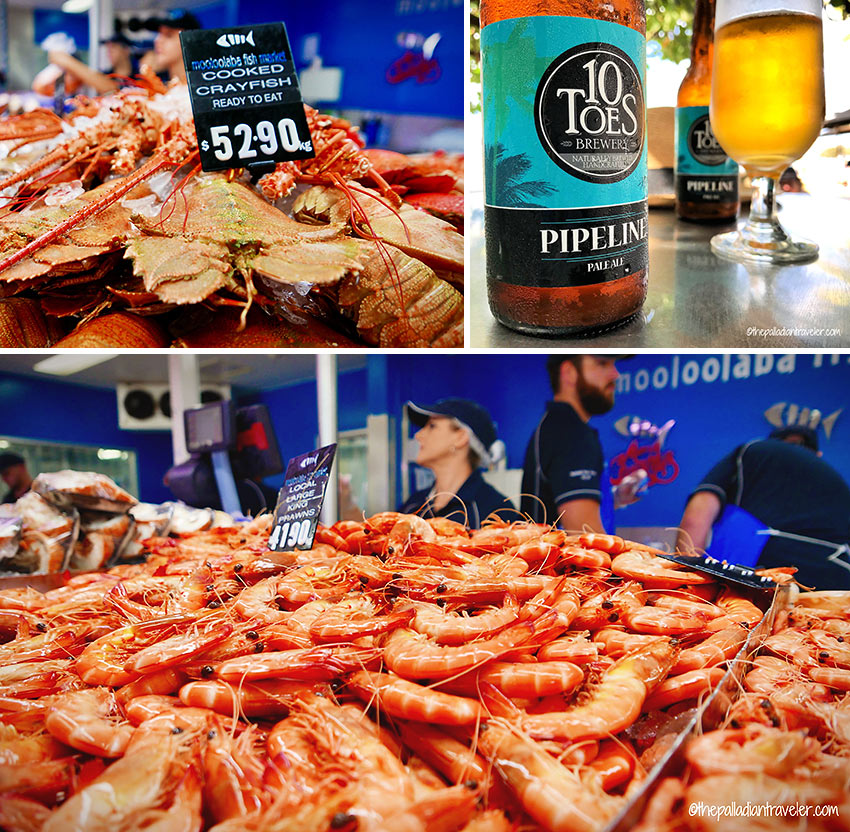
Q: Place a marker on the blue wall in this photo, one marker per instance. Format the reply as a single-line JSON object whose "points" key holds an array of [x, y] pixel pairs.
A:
{"points": [[64, 412], [365, 39], [718, 402], [293, 413], [33, 408]]}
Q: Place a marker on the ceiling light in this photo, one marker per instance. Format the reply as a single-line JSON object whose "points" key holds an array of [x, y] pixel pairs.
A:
{"points": [[66, 364], [76, 6], [110, 453]]}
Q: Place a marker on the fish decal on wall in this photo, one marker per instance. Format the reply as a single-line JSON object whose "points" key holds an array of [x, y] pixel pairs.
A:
{"points": [[788, 414], [638, 427]]}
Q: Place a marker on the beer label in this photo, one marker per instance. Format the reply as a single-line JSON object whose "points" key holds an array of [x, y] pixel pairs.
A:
{"points": [[565, 150], [589, 113], [703, 171], [568, 247]]}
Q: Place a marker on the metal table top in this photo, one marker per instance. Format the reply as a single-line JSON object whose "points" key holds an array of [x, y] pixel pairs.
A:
{"points": [[696, 299]]}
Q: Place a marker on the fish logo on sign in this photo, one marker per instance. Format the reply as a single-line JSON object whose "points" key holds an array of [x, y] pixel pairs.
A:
{"points": [[233, 40]]}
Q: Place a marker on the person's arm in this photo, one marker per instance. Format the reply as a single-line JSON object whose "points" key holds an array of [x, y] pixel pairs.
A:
{"points": [[578, 515], [716, 488], [100, 82], [700, 513]]}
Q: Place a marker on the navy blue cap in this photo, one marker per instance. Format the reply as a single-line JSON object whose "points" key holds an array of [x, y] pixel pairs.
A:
{"points": [[555, 361], [123, 40], [470, 414], [808, 435], [174, 19]]}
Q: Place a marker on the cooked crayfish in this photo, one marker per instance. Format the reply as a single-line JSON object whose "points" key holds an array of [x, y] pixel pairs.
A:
{"points": [[213, 242]]}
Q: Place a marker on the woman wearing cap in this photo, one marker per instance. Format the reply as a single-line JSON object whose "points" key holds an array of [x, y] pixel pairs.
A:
{"points": [[455, 437], [166, 45]]}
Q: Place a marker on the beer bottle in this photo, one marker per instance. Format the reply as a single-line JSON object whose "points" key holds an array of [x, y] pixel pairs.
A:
{"points": [[565, 214], [706, 179]]}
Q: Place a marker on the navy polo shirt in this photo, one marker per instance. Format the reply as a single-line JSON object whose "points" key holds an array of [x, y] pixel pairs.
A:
{"points": [[789, 488], [563, 462], [475, 499]]}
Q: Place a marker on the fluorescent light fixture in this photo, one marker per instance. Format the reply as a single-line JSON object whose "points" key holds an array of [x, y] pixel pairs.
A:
{"points": [[110, 453], [75, 6], [66, 364]]}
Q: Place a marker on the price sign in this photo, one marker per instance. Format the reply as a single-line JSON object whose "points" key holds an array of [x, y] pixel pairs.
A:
{"points": [[245, 96], [299, 502]]}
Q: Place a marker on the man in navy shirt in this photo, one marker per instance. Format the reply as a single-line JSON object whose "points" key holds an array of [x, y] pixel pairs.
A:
{"points": [[797, 504], [564, 480]]}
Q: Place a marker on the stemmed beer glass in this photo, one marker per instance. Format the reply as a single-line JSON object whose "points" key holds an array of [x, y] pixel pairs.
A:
{"points": [[767, 107]]}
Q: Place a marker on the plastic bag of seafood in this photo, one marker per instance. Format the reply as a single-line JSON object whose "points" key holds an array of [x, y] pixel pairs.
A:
{"points": [[10, 537], [186, 519], [102, 537], [47, 535], [83, 490], [150, 520]]}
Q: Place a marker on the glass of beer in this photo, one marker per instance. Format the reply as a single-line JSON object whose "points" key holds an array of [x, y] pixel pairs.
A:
{"points": [[767, 107]]}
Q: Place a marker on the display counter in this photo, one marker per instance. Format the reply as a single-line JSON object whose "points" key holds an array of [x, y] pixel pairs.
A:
{"points": [[696, 299]]}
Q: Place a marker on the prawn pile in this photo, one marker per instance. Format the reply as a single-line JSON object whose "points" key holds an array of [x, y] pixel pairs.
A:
{"points": [[402, 672], [111, 236], [785, 740]]}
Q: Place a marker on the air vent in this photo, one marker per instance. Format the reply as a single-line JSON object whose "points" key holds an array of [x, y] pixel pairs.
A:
{"points": [[148, 406]]}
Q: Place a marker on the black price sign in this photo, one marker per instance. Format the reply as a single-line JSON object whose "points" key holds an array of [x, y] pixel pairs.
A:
{"points": [[245, 96], [300, 500]]}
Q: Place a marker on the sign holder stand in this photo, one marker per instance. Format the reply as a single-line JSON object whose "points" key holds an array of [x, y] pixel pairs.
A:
{"points": [[225, 482]]}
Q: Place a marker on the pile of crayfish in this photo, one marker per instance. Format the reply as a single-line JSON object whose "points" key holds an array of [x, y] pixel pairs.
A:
{"points": [[110, 236], [784, 742], [403, 673]]}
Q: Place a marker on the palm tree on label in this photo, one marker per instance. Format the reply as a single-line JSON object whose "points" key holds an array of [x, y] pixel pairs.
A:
{"points": [[508, 173]]}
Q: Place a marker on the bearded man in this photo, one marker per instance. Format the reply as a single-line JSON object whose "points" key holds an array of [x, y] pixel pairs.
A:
{"points": [[565, 479]]}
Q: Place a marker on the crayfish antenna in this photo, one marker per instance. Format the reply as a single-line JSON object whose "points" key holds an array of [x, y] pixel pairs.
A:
{"points": [[164, 158]]}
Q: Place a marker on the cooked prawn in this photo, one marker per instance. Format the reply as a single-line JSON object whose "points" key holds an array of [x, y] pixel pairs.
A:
{"points": [[615, 704], [685, 686], [654, 572], [755, 749], [89, 720], [407, 700], [414, 656], [319, 664], [355, 617], [453, 629], [557, 799], [717, 648], [521, 680]]}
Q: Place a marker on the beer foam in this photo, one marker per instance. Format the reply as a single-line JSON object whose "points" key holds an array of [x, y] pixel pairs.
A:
{"points": [[729, 10]]}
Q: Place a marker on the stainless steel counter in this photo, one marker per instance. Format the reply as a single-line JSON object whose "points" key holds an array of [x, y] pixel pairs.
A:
{"points": [[698, 300]]}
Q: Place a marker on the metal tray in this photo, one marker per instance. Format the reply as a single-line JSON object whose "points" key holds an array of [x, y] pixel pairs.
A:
{"points": [[708, 716]]}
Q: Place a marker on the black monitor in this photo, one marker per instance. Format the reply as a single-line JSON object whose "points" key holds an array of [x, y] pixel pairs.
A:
{"points": [[257, 452], [210, 427]]}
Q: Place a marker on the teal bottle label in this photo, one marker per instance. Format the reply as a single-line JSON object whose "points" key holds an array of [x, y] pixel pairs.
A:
{"points": [[565, 150], [703, 171]]}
